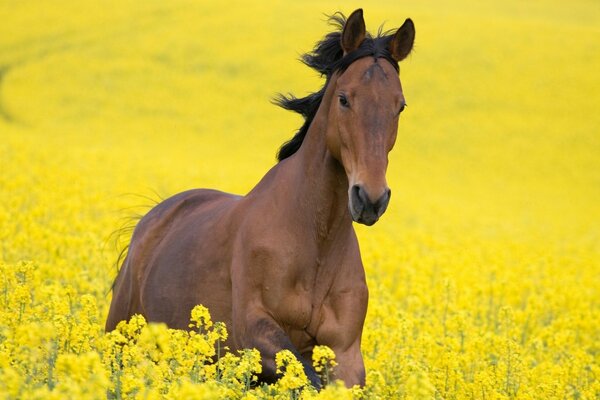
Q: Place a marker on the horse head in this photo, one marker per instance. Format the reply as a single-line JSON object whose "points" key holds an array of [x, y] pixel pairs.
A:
{"points": [[364, 112]]}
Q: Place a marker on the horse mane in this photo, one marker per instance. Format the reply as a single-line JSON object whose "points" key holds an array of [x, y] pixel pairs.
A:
{"points": [[326, 58]]}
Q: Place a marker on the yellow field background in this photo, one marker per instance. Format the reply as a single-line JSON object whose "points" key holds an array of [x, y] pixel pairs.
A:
{"points": [[484, 274]]}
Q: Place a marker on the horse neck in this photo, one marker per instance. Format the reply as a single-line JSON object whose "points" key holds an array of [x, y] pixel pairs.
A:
{"points": [[321, 187]]}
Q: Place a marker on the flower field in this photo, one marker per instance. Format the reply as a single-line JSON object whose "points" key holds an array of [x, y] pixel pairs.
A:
{"points": [[484, 274]]}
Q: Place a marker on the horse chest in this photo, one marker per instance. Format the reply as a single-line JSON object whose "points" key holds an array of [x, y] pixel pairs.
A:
{"points": [[297, 294]]}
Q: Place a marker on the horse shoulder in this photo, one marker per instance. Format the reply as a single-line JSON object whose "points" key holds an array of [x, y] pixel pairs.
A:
{"points": [[269, 267]]}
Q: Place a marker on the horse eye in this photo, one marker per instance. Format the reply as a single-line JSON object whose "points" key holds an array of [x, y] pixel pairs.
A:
{"points": [[402, 107], [344, 101]]}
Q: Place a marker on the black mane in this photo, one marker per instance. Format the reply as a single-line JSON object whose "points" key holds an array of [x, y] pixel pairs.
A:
{"points": [[326, 58]]}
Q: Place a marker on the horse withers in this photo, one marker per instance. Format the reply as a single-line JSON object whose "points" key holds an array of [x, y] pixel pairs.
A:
{"points": [[281, 266]]}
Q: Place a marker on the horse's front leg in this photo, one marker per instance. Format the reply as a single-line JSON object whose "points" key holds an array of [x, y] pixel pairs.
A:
{"points": [[259, 286], [341, 329], [350, 368], [256, 329]]}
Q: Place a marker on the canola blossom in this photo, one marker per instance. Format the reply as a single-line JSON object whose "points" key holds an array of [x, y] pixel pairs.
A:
{"points": [[484, 273]]}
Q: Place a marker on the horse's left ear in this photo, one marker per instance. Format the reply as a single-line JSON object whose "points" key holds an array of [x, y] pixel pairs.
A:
{"points": [[403, 40], [354, 31]]}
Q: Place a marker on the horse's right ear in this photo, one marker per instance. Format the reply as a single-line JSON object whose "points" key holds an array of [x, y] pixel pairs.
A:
{"points": [[403, 40], [354, 31]]}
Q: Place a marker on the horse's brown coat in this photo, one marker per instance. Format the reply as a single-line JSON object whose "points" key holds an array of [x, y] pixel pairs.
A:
{"points": [[280, 266]]}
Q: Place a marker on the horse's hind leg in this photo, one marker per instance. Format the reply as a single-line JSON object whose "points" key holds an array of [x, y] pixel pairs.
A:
{"points": [[121, 301]]}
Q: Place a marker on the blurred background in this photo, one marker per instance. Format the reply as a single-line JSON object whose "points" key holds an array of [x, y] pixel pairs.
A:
{"points": [[502, 126]]}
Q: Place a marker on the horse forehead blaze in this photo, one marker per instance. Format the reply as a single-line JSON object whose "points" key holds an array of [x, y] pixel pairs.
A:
{"points": [[376, 74]]}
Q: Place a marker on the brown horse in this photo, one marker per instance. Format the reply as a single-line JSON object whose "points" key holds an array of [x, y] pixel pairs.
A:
{"points": [[281, 266]]}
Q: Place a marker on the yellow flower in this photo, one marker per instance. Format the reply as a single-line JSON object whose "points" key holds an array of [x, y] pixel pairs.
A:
{"points": [[293, 378], [200, 318], [324, 362]]}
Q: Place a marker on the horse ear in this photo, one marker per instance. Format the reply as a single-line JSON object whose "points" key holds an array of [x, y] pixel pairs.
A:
{"points": [[403, 40], [354, 31]]}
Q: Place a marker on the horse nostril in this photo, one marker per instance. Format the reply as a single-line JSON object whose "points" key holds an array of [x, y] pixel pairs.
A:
{"points": [[363, 209], [381, 205], [358, 203]]}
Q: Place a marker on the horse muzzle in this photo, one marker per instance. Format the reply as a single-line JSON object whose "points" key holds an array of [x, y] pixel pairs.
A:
{"points": [[362, 209]]}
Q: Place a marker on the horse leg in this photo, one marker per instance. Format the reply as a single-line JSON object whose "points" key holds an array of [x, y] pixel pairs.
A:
{"points": [[264, 334], [351, 367], [342, 323], [122, 298]]}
